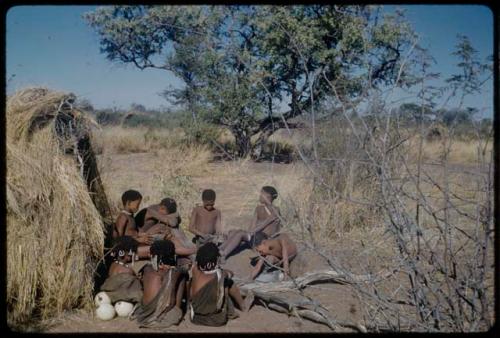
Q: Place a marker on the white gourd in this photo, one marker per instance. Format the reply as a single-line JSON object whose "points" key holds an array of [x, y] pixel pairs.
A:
{"points": [[123, 309], [105, 312], [102, 298]]}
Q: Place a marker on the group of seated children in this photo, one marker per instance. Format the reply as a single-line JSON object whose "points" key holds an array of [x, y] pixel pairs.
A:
{"points": [[165, 274]]}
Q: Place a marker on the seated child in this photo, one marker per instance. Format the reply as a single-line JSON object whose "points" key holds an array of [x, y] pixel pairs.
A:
{"points": [[164, 286], [166, 213], [205, 222], [158, 215], [125, 223], [212, 290], [122, 282], [267, 219], [274, 253]]}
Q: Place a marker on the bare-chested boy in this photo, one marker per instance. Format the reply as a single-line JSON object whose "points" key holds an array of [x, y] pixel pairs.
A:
{"points": [[212, 290], [206, 221], [122, 282], [125, 223], [274, 253], [164, 287], [267, 219]]}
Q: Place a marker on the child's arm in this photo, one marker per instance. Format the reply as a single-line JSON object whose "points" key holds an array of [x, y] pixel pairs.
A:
{"points": [[218, 223], [181, 250], [261, 225], [158, 228], [254, 221], [192, 224], [284, 253], [258, 267], [159, 216], [121, 225]]}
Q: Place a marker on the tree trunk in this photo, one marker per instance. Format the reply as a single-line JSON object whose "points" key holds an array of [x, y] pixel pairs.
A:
{"points": [[258, 148], [242, 141]]}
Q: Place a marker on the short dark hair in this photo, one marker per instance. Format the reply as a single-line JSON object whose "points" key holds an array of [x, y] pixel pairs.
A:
{"points": [[170, 204], [259, 237], [207, 256], [208, 195], [125, 244], [271, 191], [130, 196], [164, 250]]}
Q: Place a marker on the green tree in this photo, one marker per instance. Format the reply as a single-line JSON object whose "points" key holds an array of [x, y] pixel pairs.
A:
{"points": [[238, 63]]}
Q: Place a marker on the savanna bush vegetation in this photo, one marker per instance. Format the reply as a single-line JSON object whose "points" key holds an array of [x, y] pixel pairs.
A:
{"points": [[327, 77]]}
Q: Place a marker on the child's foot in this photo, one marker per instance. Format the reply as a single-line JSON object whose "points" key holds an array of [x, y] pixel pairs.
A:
{"points": [[248, 301]]}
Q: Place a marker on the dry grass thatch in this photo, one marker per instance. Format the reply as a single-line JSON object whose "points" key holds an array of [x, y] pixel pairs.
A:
{"points": [[54, 230]]}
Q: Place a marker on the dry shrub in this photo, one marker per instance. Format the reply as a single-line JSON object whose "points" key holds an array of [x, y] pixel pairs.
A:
{"points": [[452, 146], [461, 152], [174, 176], [54, 232], [125, 140], [307, 206]]}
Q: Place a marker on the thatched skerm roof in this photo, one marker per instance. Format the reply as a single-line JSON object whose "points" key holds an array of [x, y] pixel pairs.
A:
{"points": [[56, 206]]}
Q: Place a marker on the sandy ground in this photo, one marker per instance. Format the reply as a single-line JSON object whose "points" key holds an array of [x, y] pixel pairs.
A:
{"points": [[237, 193]]}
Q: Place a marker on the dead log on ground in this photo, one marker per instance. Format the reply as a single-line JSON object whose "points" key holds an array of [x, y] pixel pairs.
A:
{"points": [[285, 296]]}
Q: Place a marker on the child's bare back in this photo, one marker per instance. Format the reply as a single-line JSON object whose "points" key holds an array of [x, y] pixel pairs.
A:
{"points": [[152, 281]]}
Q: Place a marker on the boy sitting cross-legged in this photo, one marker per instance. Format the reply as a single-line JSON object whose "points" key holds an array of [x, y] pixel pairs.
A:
{"points": [[206, 220]]}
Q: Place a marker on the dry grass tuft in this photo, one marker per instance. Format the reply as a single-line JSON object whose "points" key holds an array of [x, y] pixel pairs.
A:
{"points": [[54, 232], [125, 140], [168, 162], [174, 177]]}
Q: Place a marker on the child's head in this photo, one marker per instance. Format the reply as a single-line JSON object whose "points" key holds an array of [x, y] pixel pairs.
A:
{"points": [[268, 194], [163, 253], [208, 198], [131, 200], [207, 257], [259, 243], [124, 248], [168, 205]]}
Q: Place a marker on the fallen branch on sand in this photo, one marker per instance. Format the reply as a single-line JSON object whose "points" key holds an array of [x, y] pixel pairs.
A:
{"points": [[285, 296]]}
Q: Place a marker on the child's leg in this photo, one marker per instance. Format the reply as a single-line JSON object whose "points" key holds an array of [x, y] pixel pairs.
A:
{"points": [[155, 229], [273, 260], [235, 294], [233, 241]]}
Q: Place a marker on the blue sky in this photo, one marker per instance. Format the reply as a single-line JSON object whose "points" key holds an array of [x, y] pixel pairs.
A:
{"points": [[54, 47]]}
